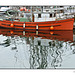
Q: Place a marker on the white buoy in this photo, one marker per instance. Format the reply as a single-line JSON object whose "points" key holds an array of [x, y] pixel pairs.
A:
{"points": [[36, 32], [23, 32], [24, 25], [36, 26]]}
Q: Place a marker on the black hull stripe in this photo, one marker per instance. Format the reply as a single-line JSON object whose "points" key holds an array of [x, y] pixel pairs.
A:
{"points": [[32, 29], [31, 26]]}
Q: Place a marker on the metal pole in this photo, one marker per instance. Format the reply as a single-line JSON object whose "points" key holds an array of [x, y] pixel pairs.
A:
{"points": [[31, 13]]}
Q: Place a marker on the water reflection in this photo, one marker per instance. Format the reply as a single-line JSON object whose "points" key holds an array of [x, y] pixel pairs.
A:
{"points": [[47, 49]]}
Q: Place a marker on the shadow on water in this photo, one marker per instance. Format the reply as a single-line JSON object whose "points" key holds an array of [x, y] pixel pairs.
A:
{"points": [[47, 49]]}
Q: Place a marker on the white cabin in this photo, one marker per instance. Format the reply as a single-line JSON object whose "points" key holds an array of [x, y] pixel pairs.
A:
{"points": [[40, 17], [49, 14]]}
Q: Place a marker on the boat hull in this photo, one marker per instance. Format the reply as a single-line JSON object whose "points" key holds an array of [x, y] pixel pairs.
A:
{"points": [[66, 24]]}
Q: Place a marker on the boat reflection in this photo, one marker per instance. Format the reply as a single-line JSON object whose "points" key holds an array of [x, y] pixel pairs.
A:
{"points": [[54, 35], [47, 48]]}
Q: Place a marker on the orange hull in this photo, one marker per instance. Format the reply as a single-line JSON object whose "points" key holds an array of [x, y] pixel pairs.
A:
{"points": [[66, 24], [54, 35]]}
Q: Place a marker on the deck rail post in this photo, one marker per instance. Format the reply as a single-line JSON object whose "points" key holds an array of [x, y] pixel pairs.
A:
{"points": [[24, 28], [24, 25], [37, 29]]}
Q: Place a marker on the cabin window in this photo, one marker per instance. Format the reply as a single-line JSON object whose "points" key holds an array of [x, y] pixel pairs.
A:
{"points": [[61, 6], [54, 14], [50, 15], [47, 10], [61, 11], [39, 15]]}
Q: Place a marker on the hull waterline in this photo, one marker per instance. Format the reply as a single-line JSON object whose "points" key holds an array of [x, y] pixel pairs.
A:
{"points": [[53, 35]]}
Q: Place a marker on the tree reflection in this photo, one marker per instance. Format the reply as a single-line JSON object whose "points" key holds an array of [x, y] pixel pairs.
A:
{"points": [[46, 56], [55, 49], [39, 54]]}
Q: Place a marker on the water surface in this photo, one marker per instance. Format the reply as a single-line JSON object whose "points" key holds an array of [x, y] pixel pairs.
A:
{"points": [[37, 50]]}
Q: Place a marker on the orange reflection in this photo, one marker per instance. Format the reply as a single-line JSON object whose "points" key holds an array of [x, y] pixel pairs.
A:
{"points": [[11, 32], [54, 35], [51, 33]]}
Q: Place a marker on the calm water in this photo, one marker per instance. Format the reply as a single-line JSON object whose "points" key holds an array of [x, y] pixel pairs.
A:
{"points": [[37, 50]]}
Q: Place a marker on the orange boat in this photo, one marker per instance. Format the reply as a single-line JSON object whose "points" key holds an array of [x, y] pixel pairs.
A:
{"points": [[66, 24], [54, 35]]}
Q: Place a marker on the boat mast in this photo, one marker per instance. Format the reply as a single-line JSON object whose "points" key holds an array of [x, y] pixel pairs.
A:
{"points": [[32, 13]]}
